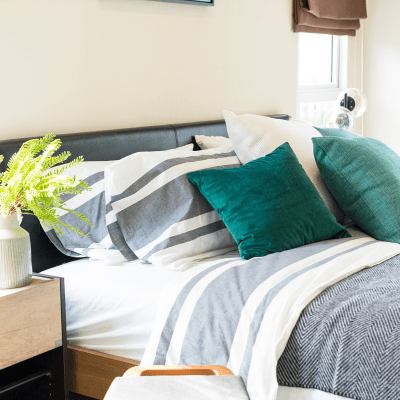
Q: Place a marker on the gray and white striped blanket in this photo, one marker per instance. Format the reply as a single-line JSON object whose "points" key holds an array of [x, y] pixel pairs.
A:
{"points": [[240, 313]]}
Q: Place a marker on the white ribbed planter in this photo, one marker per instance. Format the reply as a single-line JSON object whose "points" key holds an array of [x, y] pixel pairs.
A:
{"points": [[15, 249]]}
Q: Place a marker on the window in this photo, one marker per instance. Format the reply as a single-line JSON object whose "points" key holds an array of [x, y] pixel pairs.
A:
{"points": [[322, 74]]}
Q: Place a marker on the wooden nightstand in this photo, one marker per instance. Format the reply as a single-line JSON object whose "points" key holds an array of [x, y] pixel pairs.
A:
{"points": [[33, 340]]}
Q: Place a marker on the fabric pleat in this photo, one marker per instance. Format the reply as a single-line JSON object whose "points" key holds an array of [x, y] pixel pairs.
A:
{"points": [[332, 17]]}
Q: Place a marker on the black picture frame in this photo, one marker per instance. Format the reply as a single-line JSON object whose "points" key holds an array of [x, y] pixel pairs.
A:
{"points": [[193, 2]]}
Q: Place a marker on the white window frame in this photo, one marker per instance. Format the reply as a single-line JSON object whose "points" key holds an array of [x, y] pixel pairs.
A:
{"points": [[327, 92]]}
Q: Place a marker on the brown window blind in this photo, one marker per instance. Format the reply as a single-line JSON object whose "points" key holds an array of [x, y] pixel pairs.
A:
{"points": [[332, 17]]}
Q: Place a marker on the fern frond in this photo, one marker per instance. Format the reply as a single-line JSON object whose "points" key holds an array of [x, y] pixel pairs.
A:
{"points": [[56, 159], [27, 186]]}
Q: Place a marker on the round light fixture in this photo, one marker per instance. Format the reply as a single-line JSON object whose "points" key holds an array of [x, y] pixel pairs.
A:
{"points": [[354, 100], [339, 117]]}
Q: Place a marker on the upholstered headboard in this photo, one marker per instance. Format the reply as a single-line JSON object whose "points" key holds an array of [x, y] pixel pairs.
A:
{"points": [[104, 146]]}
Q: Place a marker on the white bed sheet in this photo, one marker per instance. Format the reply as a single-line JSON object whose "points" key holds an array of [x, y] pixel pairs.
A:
{"points": [[112, 308]]}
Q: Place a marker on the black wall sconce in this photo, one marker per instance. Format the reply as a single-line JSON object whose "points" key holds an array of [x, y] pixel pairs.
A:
{"points": [[352, 103]]}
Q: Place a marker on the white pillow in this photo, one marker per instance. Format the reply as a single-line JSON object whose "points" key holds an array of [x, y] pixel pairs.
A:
{"points": [[212, 142], [254, 136], [98, 243], [186, 147], [92, 204], [157, 214]]}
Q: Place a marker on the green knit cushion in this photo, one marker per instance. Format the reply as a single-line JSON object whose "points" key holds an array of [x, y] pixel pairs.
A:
{"points": [[363, 175], [337, 132], [269, 204]]}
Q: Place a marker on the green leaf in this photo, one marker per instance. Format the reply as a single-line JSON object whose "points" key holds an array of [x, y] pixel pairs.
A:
{"points": [[28, 186]]}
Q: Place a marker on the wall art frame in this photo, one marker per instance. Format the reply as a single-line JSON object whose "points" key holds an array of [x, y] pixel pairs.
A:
{"points": [[192, 2]]}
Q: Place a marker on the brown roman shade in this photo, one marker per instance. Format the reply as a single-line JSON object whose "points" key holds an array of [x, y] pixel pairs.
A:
{"points": [[332, 17]]}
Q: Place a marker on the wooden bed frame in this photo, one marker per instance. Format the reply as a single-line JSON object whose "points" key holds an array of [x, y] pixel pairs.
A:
{"points": [[90, 373]]}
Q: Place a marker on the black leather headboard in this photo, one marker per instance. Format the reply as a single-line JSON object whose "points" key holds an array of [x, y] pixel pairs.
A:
{"points": [[104, 146]]}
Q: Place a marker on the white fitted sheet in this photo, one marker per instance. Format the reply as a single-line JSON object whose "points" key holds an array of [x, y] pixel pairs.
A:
{"points": [[111, 308]]}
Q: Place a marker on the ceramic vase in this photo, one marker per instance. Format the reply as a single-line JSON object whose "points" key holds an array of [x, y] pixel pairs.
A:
{"points": [[15, 254]]}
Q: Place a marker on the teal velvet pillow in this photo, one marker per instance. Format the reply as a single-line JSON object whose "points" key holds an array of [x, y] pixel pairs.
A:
{"points": [[269, 204], [363, 175], [337, 132]]}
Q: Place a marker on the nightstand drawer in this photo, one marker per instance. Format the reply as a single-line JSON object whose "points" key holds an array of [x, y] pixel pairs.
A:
{"points": [[30, 320], [35, 386]]}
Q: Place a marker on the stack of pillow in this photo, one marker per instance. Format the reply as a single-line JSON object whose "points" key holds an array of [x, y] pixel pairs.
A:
{"points": [[144, 206], [277, 199], [272, 186], [98, 242], [362, 175]]}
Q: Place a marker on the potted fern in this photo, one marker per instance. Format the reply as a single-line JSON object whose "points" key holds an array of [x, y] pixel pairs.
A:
{"points": [[32, 184]]}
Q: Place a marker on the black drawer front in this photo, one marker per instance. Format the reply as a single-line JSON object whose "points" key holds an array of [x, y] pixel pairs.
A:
{"points": [[36, 386], [40, 377]]}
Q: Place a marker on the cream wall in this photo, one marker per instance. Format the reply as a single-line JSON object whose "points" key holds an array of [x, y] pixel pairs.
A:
{"points": [[382, 71], [82, 65]]}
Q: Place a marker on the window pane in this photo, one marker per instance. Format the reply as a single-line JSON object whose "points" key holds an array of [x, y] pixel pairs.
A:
{"points": [[313, 113], [318, 59]]}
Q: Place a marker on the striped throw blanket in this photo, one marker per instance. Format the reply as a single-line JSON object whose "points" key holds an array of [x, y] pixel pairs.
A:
{"points": [[240, 313]]}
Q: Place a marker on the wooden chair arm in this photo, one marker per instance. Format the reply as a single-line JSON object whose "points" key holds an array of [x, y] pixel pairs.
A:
{"points": [[157, 370]]}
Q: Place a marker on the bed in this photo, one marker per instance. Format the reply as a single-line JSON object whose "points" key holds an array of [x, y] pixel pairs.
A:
{"points": [[85, 376], [109, 327]]}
